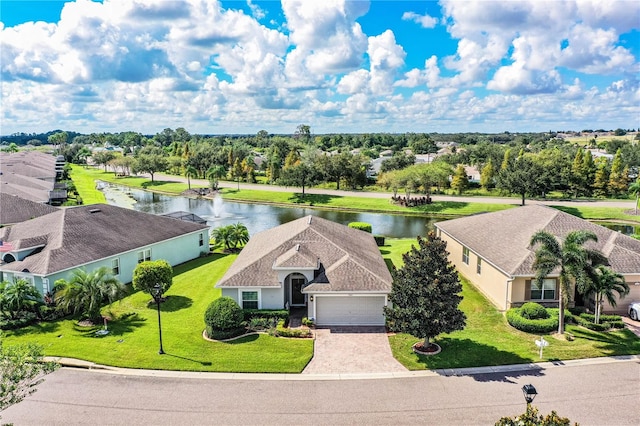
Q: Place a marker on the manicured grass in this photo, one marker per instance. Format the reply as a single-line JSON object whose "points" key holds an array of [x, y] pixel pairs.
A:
{"points": [[489, 340], [133, 338], [600, 213], [86, 184]]}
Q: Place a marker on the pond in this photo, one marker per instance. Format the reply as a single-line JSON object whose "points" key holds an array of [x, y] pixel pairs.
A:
{"points": [[260, 217]]}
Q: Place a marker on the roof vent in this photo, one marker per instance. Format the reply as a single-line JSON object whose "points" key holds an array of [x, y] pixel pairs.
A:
{"points": [[297, 247], [310, 217], [95, 211]]}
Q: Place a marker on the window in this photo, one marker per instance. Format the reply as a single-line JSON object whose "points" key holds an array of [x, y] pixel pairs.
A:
{"points": [[479, 266], [249, 300], [115, 267], [465, 255], [144, 255], [201, 240], [45, 286], [547, 291]]}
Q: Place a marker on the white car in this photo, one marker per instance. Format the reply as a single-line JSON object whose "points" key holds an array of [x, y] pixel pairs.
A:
{"points": [[634, 310]]}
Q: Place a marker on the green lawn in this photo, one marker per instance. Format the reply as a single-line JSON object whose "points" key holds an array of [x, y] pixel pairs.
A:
{"points": [[133, 338], [489, 340]]}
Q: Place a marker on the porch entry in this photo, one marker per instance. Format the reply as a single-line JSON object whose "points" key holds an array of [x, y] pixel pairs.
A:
{"points": [[293, 290]]}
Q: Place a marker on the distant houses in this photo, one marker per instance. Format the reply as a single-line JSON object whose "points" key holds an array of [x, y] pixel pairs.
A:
{"points": [[33, 175]]}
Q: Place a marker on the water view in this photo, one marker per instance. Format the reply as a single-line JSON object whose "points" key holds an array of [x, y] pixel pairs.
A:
{"points": [[259, 217]]}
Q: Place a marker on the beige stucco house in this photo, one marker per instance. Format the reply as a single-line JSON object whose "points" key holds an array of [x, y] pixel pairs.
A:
{"points": [[334, 272], [492, 251]]}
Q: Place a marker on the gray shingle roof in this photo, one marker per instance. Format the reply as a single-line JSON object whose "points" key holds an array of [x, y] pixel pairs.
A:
{"points": [[350, 258], [502, 238], [78, 235], [14, 209]]}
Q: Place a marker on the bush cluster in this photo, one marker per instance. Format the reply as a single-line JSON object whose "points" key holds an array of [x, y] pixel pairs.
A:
{"points": [[283, 331], [607, 322], [532, 311], [380, 240], [22, 320]]}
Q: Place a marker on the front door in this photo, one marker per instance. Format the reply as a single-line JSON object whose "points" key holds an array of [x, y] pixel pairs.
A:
{"points": [[297, 298]]}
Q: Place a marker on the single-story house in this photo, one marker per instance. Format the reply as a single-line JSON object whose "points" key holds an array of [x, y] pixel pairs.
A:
{"points": [[337, 273], [47, 248], [14, 209], [492, 251]]}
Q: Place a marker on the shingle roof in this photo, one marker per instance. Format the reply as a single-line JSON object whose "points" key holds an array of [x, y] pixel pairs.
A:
{"points": [[15, 209], [349, 258], [502, 238], [78, 235]]}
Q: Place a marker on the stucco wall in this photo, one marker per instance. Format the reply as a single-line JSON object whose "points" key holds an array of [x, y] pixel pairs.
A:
{"points": [[633, 296]]}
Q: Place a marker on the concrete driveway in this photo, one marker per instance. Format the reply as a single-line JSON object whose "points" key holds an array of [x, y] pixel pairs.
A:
{"points": [[343, 350]]}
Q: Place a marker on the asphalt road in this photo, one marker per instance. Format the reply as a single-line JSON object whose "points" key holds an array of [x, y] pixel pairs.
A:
{"points": [[602, 394], [630, 204]]}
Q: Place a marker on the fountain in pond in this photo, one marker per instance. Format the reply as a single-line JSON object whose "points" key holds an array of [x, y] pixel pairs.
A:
{"points": [[217, 205]]}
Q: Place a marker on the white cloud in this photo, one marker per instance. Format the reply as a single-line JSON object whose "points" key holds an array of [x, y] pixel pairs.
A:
{"points": [[425, 21]]}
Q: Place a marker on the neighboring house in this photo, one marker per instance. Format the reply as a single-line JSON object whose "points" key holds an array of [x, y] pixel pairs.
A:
{"points": [[32, 175], [334, 271], [14, 209], [50, 247], [492, 251]]}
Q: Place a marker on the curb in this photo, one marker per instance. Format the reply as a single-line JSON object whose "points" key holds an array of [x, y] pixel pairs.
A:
{"points": [[449, 372]]}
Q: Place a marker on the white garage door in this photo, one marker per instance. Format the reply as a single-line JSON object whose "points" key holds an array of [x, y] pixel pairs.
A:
{"points": [[349, 310]]}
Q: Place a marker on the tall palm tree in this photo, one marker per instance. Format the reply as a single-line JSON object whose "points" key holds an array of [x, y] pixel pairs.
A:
{"points": [[603, 284], [214, 173], [190, 172], [239, 234], [634, 189], [86, 291], [571, 258], [222, 237]]}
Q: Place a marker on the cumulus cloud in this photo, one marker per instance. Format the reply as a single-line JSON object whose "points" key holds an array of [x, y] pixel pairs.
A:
{"points": [[425, 21]]}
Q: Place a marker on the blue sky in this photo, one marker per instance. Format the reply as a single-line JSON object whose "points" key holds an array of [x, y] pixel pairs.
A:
{"points": [[221, 67]]}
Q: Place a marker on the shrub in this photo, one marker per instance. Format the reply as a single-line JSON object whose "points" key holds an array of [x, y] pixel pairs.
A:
{"points": [[363, 226], [380, 240], [532, 310], [282, 331], [223, 314], [607, 322], [249, 314], [537, 326], [261, 323], [308, 322], [151, 272]]}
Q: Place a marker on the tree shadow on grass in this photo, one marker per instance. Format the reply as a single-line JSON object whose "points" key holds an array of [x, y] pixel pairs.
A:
{"points": [[622, 342], [39, 328], [155, 183], [465, 353], [312, 199], [245, 339], [206, 363], [124, 325], [571, 210], [172, 303], [439, 206]]}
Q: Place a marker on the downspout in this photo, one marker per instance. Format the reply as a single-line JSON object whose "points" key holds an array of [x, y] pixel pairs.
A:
{"points": [[507, 303]]}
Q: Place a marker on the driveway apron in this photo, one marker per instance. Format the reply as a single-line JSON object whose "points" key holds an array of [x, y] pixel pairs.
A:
{"points": [[343, 350]]}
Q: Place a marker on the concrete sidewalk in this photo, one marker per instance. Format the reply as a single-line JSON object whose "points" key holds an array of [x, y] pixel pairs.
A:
{"points": [[507, 369]]}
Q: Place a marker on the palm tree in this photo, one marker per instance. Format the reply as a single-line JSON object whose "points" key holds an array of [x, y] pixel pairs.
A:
{"points": [[571, 258], [634, 189], [222, 237], [190, 172], [239, 234], [20, 296], [214, 173], [603, 284], [87, 291]]}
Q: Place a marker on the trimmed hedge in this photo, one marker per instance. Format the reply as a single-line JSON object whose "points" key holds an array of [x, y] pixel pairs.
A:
{"points": [[250, 314], [363, 226], [607, 322], [380, 240], [533, 310], [537, 326]]}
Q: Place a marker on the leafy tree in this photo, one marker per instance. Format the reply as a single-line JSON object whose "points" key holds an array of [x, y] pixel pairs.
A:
{"points": [[236, 171], [151, 160], [571, 258], [190, 172], [522, 176], [425, 294], [603, 283], [487, 175], [460, 180], [103, 158], [532, 418], [13, 147], [86, 291], [22, 370], [618, 177], [59, 139], [151, 272], [634, 189], [303, 133], [601, 179], [578, 179], [302, 173], [400, 160]]}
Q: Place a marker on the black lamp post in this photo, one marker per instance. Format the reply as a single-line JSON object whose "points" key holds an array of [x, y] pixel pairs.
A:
{"points": [[529, 393], [156, 292]]}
